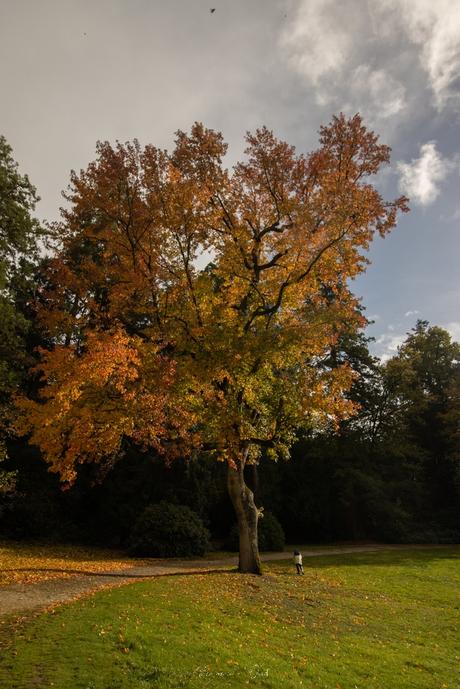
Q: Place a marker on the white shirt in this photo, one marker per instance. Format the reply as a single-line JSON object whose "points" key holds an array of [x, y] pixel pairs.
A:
{"points": [[298, 559]]}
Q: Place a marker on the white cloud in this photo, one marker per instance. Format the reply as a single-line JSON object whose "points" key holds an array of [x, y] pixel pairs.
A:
{"points": [[420, 178], [336, 47], [320, 44], [381, 95], [434, 27], [453, 328], [408, 314], [387, 344], [316, 42]]}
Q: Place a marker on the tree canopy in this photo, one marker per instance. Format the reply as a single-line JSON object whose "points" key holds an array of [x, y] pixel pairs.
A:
{"points": [[20, 233], [233, 357]]}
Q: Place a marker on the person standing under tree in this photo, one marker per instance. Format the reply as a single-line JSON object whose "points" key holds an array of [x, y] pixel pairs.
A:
{"points": [[298, 562]]}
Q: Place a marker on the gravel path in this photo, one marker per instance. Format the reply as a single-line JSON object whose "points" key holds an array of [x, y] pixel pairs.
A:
{"points": [[20, 598]]}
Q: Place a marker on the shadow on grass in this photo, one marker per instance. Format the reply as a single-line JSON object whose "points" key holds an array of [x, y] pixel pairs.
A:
{"points": [[418, 555], [118, 575], [384, 558]]}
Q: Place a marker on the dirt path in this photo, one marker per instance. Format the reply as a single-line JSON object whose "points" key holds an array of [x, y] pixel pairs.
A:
{"points": [[21, 598]]}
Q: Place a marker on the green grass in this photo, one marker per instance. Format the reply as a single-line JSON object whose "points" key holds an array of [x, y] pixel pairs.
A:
{"points": [[384, 621]]}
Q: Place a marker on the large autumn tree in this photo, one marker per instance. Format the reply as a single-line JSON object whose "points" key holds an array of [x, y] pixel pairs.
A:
{"points": [[231, 358]]}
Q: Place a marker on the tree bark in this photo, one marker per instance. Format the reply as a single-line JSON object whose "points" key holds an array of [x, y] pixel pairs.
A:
{"points": [[247, 514]]}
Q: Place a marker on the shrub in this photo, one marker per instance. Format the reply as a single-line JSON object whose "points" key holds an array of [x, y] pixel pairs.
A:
{"points": [[270, 532], [166, 530]]}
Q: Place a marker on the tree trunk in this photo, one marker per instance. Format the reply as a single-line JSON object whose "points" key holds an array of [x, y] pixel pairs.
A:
{"points": [[247, 514]]}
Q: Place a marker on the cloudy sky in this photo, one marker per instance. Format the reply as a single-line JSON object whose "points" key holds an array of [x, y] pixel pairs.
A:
{"points": [[75, 71]]}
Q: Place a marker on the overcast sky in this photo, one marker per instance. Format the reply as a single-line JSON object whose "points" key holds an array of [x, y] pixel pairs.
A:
{"points": [[75, 71]]}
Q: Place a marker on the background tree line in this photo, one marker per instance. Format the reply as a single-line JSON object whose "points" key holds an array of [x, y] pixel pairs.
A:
{"points": [[390, 473]]}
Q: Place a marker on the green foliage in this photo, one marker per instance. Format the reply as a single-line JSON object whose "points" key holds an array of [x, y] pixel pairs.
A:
{"points": [[166, 530], [424, 380], [19, 231], [19, 253], [271, 534], [391, 473], [7, 486], [20, 234]]}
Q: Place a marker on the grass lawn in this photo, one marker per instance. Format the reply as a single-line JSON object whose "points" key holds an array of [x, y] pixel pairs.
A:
{"points": [[389, 620]]}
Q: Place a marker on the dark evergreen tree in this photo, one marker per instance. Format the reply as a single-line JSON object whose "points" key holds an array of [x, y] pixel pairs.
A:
{"points": [[20, 235], [424, 380]]}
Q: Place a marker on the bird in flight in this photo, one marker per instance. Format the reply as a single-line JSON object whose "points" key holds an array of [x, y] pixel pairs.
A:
{"points": [[212, 10]]}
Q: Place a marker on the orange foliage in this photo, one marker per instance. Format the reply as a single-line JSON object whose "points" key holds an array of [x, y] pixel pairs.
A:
{"points": [[30, 563], [151, 346]]}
